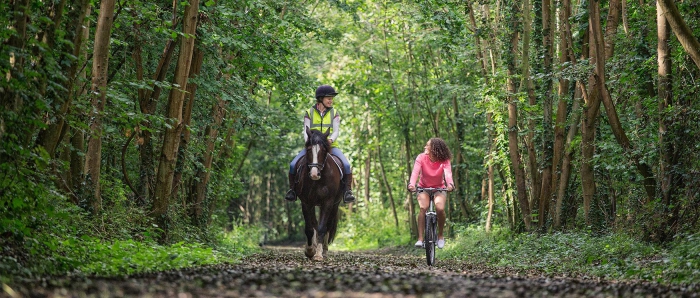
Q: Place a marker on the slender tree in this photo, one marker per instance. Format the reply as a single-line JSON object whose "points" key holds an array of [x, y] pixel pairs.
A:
{"points": [[191, 91], [514, 26], [529, 86], [562, 105], [548, 134], [98, 90], [171, 140], [671, 133], [591, 109]]}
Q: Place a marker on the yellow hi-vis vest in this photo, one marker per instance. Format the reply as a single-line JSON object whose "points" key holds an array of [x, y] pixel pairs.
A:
{"points": [[322, 122]]}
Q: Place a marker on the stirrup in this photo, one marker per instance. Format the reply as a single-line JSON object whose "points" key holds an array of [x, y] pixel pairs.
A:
{"points": [[349, 197], [290, 196]]}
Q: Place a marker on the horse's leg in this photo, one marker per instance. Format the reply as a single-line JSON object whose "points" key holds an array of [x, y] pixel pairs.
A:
{"points": [[325, 245], [310, 224], [310, 250], [322, 236]]}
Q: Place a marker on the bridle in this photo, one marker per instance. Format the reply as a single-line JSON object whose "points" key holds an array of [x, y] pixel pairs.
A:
{"points": [[318, 166]]}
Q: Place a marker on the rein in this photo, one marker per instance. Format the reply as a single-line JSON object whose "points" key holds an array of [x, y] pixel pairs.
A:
{"points": [[319, 166]]}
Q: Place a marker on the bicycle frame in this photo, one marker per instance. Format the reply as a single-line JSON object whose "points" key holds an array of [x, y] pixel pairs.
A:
{"points": [[430, 236]]}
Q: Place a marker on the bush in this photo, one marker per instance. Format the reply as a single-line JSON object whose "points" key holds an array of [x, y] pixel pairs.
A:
{"points": [[611, 256]]}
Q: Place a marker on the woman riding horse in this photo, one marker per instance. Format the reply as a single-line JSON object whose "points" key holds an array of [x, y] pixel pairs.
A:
{"points": [[320, 185], [322, 116]]}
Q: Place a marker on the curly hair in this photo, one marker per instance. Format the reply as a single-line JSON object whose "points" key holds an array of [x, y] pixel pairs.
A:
{"points": [[439, 150]]}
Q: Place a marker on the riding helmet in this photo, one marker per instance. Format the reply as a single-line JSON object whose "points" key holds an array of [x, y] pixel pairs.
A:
{"points": [[325, 90]]}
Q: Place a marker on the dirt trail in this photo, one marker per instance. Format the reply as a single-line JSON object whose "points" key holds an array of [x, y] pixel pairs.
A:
{"points": [[285, 272]]}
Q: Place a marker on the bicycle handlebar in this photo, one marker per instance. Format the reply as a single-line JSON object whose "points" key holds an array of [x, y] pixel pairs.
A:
{"points": [[430, 189]]}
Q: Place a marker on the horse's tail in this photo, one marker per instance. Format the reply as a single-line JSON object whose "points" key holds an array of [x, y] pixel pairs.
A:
{"points": [[332, 224]]}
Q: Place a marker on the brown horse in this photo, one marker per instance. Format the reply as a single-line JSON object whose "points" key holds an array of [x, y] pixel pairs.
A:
{"points": [[319, 185]]}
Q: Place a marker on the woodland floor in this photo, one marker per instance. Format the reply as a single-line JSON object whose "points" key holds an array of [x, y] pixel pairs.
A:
{"points": [[285, 272]]}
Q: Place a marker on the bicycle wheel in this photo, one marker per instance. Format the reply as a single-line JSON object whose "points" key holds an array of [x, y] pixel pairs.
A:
{"points": [[430, 238]]}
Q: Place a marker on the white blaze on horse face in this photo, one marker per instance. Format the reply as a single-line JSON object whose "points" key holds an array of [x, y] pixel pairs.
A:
{"points": [[315, 175]]}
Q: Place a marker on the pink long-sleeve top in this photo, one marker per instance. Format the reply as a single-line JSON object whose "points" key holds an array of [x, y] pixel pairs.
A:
{"points": [[431, 172]]}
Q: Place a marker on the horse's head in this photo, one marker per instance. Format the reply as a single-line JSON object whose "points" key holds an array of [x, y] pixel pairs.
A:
{"points": [[317, 149]]}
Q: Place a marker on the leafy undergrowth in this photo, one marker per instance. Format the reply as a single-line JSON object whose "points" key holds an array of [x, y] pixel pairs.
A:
{"points": [[90, 256], [129, 257], [375, 229], [61, 238], [615, 256]]}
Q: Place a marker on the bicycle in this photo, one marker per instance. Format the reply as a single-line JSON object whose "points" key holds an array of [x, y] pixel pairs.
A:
{"points": [[430, 236]]}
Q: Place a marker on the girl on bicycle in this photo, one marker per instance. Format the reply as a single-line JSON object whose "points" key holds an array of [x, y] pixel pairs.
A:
{"points": [[434, 168]]}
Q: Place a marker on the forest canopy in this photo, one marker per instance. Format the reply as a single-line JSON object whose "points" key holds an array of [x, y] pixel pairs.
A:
{"points": [[176, 121]]}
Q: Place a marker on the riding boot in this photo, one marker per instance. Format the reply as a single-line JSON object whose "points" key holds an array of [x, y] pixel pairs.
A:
{"points": [[291, 196], [349, 197]]}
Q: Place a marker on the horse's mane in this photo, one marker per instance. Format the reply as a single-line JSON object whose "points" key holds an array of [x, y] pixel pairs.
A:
{"points": [[318, 138]]}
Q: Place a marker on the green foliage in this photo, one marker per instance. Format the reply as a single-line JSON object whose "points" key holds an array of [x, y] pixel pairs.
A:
{"points": [[370, 230], [61, 250], [123, 257], [63, 238], [612, 256]]}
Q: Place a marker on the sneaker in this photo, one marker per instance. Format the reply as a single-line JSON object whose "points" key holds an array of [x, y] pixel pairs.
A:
{"points": [[419, 244], [441, 243]]}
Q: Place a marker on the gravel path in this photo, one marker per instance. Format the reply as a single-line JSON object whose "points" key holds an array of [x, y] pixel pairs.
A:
{"points": [[285, 272]]}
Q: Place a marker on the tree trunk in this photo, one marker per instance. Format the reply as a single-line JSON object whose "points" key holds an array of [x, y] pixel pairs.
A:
{"points": [[670, 180], [98, 91], [579, 93], [665, 97], [526, 82], [492, 141], [513, 147], [613, 21], [148, 101], [368, 163], [566, 167], [625, 23], [268, 205], [592, 109], [681, 29], [547, 132], [195, 68], [171, 140], [490, 201], [560, 126]]}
